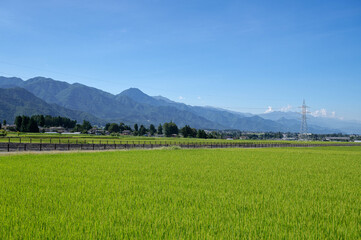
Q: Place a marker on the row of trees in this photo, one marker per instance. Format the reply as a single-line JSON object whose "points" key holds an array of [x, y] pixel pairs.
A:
{"points": [[50, 121], [31, 124], [115, 128], [168, 129], [26, 124], [187, 131]]}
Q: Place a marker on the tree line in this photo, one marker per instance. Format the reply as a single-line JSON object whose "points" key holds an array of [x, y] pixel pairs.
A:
{"points": [[26, 124], [31, 124], [50, 121], [168, 129]]}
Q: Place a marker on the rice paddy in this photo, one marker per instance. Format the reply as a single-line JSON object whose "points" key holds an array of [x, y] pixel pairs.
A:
{"points": [[288, 193]]}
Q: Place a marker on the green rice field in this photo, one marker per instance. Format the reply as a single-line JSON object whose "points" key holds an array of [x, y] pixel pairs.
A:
{"points": [[107, 139], [274, 193]]}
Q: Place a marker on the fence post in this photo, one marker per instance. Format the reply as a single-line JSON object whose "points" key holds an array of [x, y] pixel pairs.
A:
{"points": [[8, 147]]}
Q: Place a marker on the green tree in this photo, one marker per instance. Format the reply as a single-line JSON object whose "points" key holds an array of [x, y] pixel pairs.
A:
{"points": [[136, 129], [201, 134], [160, 129], [33, 126], [49, 121], [113, 128], [107, 126], [126, 127], [170, 129], [86, 125], [4, 122], [152, 129], [187, 131], [42, 121], [121, 127], [18, 120], [78, 128], [25, 124], [142, 130]]}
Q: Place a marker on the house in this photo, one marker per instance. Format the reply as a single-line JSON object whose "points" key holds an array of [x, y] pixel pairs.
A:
{"points": [[126, 132], [52, 129], [9, 127], [338, 139], [96, 131]]}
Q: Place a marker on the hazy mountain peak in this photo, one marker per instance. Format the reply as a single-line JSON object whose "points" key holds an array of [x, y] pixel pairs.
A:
{"points": [[133, 92], [6, 82], [39, 78]]}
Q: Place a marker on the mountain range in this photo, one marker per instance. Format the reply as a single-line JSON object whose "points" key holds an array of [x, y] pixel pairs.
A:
{"points": [[41, 95]]}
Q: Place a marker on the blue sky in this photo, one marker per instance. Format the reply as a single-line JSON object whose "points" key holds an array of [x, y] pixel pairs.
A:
{"points": [[241, 55]]}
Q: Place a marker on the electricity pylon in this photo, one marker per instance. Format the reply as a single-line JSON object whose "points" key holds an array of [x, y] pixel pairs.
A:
{"points": [[304, 127]]}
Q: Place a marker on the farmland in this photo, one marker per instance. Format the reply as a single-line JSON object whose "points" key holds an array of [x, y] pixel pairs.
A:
{"points": [[107, 139], [203, 193]]}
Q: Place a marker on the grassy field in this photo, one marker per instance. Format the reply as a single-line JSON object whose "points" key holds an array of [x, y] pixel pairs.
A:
{"points": [[289, 193]]}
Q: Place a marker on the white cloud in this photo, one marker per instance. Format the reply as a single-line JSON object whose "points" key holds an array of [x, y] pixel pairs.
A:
{"points": [[269, 110], [325, 114], [319, 113], [199, 98], [286, 109], [181, 98]]}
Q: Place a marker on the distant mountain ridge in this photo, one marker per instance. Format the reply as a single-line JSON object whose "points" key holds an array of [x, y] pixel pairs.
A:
{"points": [[18, 101], [133, 106], [106, 106], [315, 122]]}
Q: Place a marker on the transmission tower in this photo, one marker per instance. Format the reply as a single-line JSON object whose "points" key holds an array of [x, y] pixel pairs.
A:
{"points": [[304, 127]]}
